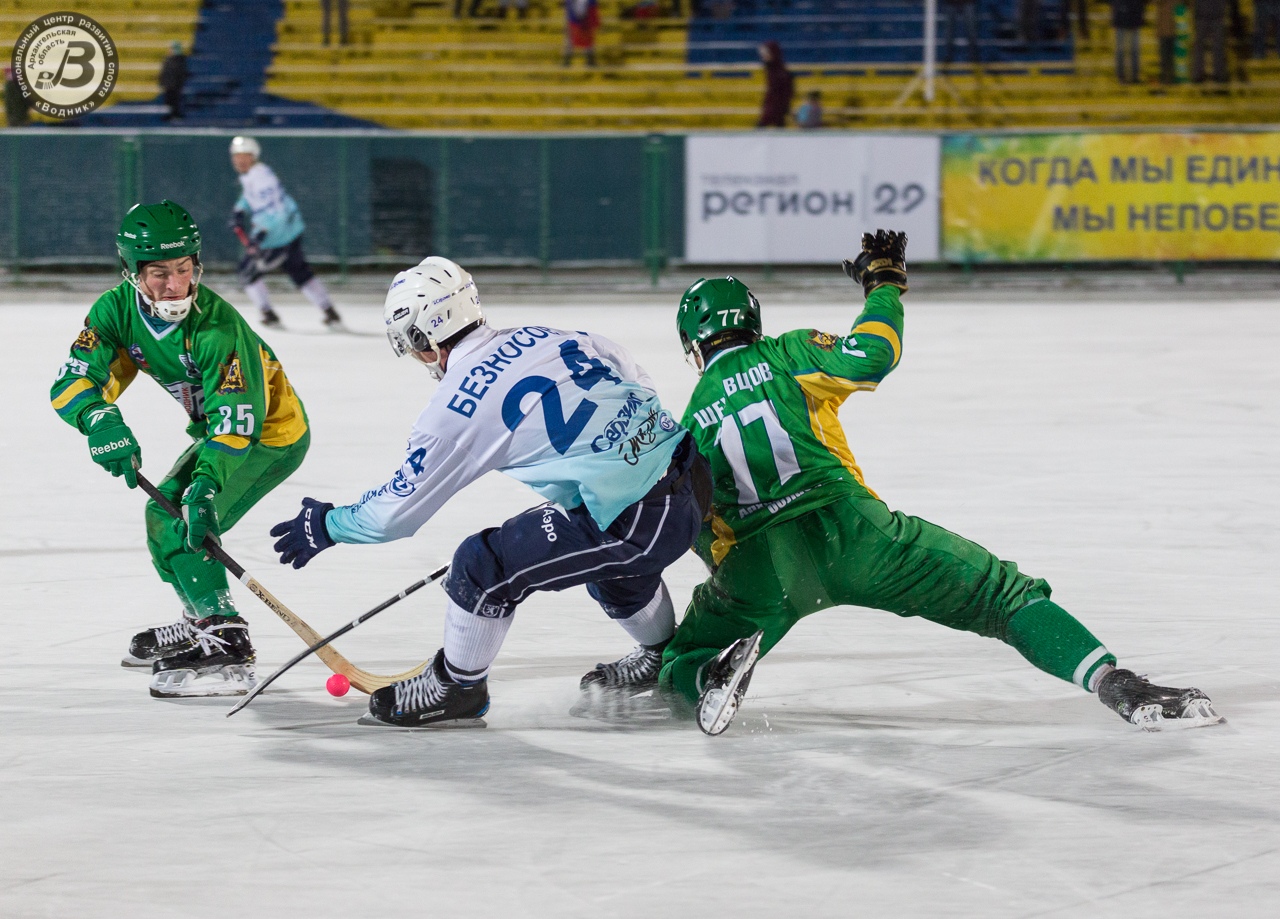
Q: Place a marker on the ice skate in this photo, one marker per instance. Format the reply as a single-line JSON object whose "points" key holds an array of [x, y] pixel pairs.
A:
{"points": [[270, 319], [623, 690], [219, 663], [725, 683], [636, 672], [331, 320], [1155, 708], [430, 699], [149, 645]]}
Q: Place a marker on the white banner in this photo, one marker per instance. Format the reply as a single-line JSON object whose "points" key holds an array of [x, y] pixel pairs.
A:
{"points": [[774, 199]]}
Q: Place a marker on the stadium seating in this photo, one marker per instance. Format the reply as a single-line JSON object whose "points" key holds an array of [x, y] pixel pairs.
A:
{"points": [[866, 31], [412, 64]]}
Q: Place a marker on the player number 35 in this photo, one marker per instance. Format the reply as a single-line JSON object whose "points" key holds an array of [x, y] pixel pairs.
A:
{"points": [[243, 420]]}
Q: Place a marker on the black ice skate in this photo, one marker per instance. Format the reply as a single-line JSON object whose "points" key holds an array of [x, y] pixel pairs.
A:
{"points": [[1155, 708], [636, 672], [725, 683], [430, 699], [149, 645], [271, 319], [623, 690], [332, 321], [219, 663]]}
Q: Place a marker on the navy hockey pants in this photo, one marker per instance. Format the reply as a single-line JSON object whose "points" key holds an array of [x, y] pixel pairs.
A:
{"points": [[549, 548]]}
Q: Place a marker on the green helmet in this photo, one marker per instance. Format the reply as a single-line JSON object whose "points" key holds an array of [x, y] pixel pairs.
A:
{"points": [[709, 308], [152, 232]]}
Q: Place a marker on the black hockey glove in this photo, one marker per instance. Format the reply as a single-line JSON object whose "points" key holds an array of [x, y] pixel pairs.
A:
{"points": [[304, 537], [883, 260]]}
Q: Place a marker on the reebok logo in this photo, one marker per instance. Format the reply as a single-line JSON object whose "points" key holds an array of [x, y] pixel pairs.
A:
{"points": [[99, 413], [172, 245], [107, 448]]}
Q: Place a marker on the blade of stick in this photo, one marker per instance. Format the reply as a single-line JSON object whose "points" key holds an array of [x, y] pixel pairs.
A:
{"points": [[362, 680], [363, 617]]}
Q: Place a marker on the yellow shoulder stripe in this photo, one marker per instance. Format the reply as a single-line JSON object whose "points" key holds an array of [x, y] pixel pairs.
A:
{"points": [[60, 401], [885, 331], [823, 386]]}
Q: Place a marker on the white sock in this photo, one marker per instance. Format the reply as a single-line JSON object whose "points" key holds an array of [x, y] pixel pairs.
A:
{"points": [[471, 642], [655, 622], [257, 292], [315, 291]]}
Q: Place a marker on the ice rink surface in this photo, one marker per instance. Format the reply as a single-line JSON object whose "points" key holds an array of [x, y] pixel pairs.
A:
{"points": [[1125, 451]]}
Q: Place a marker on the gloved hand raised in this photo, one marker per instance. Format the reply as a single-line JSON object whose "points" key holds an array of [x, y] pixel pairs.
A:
{"points": [[883, 260], [199, 518], [304, 537], [112, 445]]}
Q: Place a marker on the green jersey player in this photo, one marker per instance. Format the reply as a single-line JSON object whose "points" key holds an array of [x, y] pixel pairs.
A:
{"points": [[795, 529], [248, 426]]}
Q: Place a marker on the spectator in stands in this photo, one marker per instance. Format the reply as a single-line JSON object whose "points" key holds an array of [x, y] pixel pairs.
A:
{"points": [[1029, 21], [809, 115], [779, 87], [1211, 38], [581, 19], [1126, 19], [1167, 36], [173, 77], [965, 11], [16, 107], [344, 35], [1082, 17]]}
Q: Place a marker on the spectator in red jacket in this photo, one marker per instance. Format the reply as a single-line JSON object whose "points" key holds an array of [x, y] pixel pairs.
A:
{"points": [[779, 87], [582, 18]]}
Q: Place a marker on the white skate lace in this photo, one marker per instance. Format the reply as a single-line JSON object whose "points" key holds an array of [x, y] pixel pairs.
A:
{"points": [[419, 692], [640, 664], [209, 643], [173, 634]]}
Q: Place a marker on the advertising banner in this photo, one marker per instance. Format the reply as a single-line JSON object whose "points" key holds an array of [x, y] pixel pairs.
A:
{"points": [[778, 199], [1080, 197]]}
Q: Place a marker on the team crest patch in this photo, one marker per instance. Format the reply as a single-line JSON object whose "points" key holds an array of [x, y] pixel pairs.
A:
{"points": [[232, 378], [87, 340], [824, 340], [135, 352]]}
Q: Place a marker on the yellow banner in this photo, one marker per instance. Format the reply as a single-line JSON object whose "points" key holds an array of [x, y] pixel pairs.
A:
{"points": [[1078, 197]]}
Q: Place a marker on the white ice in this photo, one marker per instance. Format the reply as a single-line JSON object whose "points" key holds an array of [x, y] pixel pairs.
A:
{"points": [[1125, 451]]}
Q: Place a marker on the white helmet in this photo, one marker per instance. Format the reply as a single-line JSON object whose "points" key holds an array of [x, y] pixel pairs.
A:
{"points": [[429, 304], [245, 145]]}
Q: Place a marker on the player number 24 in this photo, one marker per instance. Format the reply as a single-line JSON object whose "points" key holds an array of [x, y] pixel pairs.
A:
{"points": [[730, 440], [243, 420]]}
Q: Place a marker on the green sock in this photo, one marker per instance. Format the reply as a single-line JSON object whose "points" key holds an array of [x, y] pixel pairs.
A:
{"points": [[1053, 640]]}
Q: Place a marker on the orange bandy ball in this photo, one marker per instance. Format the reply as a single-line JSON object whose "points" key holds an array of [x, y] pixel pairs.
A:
{"points": [[337, 685]]}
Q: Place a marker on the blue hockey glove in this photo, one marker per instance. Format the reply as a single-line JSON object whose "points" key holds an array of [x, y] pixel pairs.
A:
{"points": [[112, 445], [304, 537]]}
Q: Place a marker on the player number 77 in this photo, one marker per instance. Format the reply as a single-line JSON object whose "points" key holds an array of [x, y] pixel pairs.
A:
{"points": [[730, 440], [725, 314]]}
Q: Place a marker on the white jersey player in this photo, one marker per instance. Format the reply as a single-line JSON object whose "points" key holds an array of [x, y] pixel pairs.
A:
{"points": [[269, 225], [571, 415]]}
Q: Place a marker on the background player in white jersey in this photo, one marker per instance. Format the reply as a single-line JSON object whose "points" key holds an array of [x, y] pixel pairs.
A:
{"points": [[269, 225], [571, 415]]}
